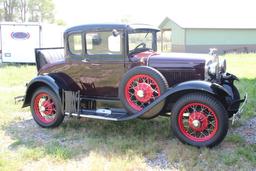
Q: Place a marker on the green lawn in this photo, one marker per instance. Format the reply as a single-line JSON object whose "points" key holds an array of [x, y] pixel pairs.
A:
{"points": [[101, 145]]}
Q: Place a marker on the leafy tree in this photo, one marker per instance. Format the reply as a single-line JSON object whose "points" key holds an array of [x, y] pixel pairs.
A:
{"points": [[9, 9], [23, 9], [1, 14], [27, 10], [41, 10], [60, 22]]}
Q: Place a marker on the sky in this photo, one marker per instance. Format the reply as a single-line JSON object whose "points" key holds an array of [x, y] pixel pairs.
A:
{"points": [[151, 11]]}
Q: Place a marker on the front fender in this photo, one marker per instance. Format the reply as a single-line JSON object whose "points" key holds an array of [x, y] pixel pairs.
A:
{"points": [[39, 81], [198, 85]]}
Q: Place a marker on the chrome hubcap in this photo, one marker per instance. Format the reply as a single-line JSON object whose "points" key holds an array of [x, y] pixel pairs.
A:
{"points": [[140, 93], [42, 109], [196, 123]]}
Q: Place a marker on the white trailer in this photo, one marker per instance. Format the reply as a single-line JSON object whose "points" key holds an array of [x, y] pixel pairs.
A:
{"points": [[18, 40]]}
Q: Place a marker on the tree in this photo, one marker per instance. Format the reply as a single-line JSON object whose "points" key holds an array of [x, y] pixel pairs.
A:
{"points": [[27, 10], [41, 10], [23, 9], [60, 22], [9, 9]]}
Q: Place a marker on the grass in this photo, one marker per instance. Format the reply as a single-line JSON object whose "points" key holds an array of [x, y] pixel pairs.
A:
{"points": [[234, 138], [249, 152], [103, 145], [243, 66]]}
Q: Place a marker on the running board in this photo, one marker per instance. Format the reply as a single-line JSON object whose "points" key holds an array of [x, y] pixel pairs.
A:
{"points": [[71, 107], [104, 114]]}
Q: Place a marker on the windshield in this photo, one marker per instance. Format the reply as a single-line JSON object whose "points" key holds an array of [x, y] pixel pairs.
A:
{"points": [[140, 40]]}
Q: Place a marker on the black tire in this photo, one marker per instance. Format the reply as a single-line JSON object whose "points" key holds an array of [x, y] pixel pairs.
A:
{"points": [[52, 115], [150, 73], [216, 122]]}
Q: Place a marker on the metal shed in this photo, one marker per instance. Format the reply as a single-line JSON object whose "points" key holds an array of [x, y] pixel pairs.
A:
{"points": [[199, 35]]}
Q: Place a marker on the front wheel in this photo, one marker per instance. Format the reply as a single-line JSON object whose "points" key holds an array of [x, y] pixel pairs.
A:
{"points": [[46, 108], [200, 120]]}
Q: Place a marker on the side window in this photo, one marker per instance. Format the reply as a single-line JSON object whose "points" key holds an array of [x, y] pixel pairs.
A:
{"points": [[98, 43], [75, 43]]}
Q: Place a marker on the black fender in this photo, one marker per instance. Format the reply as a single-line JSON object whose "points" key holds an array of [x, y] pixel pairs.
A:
{"points": [[186, 87], [39, 81], [198, 85], [218, 91]]}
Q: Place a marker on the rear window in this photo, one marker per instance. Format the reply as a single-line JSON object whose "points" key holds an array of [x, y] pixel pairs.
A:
{"points": [[75, 44]]}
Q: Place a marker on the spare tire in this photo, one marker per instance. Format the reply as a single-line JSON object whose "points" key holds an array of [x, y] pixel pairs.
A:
{"points": [[139, 87]]}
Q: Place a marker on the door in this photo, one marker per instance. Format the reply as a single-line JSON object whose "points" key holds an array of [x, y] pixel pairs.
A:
{"points": [[19, 42], [99, 71]]}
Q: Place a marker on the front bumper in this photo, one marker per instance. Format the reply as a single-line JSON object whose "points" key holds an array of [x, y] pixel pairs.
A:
{"points": [[237, 115], [237, 104]]}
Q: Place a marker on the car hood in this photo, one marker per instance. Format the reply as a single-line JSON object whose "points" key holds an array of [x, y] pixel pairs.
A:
{"points": [[178, 60]]}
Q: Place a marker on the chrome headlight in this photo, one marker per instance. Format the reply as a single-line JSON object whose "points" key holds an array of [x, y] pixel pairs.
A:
{"points": [[212, 68]]}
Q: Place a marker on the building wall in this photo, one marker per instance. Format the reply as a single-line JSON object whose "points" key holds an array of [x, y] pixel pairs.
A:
{"points": [[201, 40], [220, 36], [178, 35], [225, 40]]}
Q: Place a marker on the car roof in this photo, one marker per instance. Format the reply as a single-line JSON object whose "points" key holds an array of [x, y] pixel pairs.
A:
{"points": [[98, 27]]}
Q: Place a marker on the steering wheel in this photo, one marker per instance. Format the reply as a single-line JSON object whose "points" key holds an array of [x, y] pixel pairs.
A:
{"points": [[141, 44], [137, 49]]}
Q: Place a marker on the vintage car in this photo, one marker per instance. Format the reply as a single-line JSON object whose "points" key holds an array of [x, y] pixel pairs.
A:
{"points": [[114, 72]]}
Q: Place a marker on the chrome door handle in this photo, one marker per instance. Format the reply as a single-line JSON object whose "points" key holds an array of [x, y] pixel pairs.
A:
{"points": [[85, 60]]}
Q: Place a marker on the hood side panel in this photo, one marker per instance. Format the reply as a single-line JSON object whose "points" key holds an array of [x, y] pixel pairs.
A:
{"points": [[178, 69]]}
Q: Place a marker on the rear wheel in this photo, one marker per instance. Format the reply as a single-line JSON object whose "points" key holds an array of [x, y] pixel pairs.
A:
{"points": [[140, 87], [46, 108], [199, 120]]}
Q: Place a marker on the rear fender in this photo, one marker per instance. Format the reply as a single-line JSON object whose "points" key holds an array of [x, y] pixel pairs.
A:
{"points": [[39, 81]]}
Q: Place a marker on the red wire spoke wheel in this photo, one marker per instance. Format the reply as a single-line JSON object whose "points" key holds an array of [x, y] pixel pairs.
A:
{"points": [[198, 122], [141, 90], [199, 119], [139, 87], [46, 108]]}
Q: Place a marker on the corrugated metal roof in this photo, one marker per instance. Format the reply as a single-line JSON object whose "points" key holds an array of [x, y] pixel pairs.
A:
{"points": [[213, 23]]}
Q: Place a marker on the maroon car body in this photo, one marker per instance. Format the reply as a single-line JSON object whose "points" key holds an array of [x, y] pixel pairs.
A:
{"points": [[114, 72]]}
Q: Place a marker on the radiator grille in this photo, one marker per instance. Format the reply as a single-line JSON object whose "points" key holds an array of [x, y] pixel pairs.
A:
{"points": [[178, 77]]}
